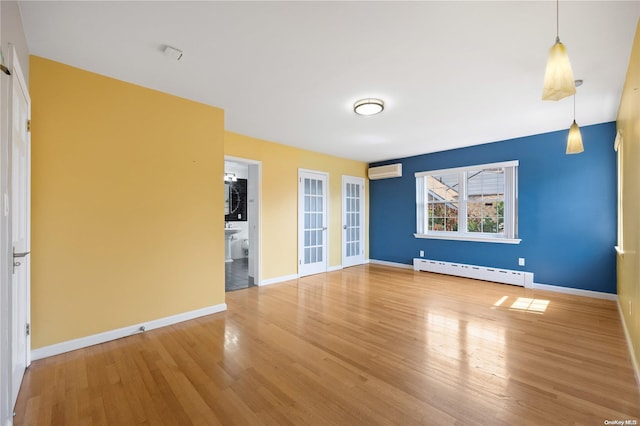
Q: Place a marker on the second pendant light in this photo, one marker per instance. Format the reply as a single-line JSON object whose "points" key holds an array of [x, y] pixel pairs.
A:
{"points": [[574, 139]]}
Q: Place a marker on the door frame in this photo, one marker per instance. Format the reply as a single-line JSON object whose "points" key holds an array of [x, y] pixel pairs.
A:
{"points": [[25, 260], [256, 246], [6, 409], [326, 245], [360, 181], [18, 77], [6, 237]]}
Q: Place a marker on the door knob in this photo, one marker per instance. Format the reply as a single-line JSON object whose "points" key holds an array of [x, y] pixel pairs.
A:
{"points": [[18, 255]]}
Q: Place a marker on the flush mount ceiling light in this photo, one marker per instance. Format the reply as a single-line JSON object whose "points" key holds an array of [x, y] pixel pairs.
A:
{"points": [[368, 106], [558, 77], [574, 139]]}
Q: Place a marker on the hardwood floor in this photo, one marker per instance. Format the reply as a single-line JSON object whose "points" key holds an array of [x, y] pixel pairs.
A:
{"points": [[363, 346]]}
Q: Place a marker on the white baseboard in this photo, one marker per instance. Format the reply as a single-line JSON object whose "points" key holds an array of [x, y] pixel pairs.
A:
{"points": [[394, 264], [536, 286], [634, 360], [334, 268], [83, 342], [277, 280], [576, 291]]}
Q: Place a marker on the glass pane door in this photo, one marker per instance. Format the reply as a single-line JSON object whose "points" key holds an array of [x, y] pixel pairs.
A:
{"points": [[312, 223], [352, 221]]}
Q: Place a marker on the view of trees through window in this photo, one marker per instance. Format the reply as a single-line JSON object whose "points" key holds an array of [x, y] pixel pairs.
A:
{"points": [[443, 202], [484, 201]]}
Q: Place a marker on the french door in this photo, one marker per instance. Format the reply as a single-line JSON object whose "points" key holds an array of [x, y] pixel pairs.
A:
{"points": [[312, 222], [352, 221]]}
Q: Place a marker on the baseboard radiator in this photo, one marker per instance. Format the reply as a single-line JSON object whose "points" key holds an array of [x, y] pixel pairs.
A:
{"points": [[485, 273]]}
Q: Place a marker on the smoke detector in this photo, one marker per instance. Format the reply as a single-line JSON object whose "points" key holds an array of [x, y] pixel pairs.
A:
{"points": [[172, 53]]}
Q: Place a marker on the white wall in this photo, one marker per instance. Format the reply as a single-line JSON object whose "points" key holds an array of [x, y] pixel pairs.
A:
{"points": [[13, 33]]}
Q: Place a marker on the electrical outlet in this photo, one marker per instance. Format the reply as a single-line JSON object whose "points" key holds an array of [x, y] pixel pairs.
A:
{"points": [[521, 261], [421, 253]]}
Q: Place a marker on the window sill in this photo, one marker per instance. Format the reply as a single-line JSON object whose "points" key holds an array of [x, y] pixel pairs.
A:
{"points": [[470, 238]]}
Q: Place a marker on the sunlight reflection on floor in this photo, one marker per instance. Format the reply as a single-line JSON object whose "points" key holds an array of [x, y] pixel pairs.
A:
{"points": [[527, 304]]}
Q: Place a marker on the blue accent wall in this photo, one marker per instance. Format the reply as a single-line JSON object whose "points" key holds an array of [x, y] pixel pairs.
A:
{"points": [[567, 210]]}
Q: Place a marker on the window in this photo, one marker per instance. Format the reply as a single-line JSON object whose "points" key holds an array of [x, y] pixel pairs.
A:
{"points": [[477, 203]]}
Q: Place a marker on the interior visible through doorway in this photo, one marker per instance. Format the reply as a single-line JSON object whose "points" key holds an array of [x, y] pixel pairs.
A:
{"points": [[241, 223]]}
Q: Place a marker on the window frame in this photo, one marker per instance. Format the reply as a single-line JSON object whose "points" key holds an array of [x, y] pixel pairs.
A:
{"points": [[510, 234], [618, 147]]}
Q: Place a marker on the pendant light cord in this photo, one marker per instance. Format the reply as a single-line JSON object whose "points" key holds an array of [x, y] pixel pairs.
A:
{"points": [[557, 18], [557, 21]]}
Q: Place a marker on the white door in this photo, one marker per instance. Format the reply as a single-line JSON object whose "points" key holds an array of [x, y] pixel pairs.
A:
{"points": [[312, 222], [352, 221], [20, 226]]}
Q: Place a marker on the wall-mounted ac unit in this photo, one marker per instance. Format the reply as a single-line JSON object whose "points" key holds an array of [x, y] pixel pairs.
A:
{"points": [[385, 172]]}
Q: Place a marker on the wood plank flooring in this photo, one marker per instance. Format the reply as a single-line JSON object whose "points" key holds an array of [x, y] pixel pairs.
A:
{"points": [[367, 345]]}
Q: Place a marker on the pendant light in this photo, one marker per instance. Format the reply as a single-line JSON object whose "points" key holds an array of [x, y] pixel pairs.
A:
{"points": [[574, 139], [558, 77]]}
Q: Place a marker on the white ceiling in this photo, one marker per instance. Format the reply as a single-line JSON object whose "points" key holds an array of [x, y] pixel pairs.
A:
{"points": [[452, 74]]}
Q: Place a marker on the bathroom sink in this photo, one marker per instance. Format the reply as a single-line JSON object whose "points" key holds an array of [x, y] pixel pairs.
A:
{"points": [[231, 231], [228, 232]]}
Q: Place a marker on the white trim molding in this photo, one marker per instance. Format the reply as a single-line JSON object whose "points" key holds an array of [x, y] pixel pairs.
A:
{"points": [[634, 360], [277, 280], [576, 291], [83, 342], [535, 286], [511, 163], [394, 264], [334, 268], [470, 237]]}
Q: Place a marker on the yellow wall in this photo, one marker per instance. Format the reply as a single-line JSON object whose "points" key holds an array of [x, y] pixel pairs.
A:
{"points": [[280, 164], [127, 223], [628, 269]]}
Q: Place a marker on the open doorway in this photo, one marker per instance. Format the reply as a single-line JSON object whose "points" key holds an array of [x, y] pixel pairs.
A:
{"points": [[242, 222]]}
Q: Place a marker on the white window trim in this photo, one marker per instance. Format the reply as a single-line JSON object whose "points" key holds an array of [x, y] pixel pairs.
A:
{"points": [[618, 146], [513, 163], [511, 196], [482, 238]]}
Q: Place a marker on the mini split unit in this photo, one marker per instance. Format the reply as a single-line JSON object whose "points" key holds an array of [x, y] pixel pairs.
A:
{"points": [[385, 172]]}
